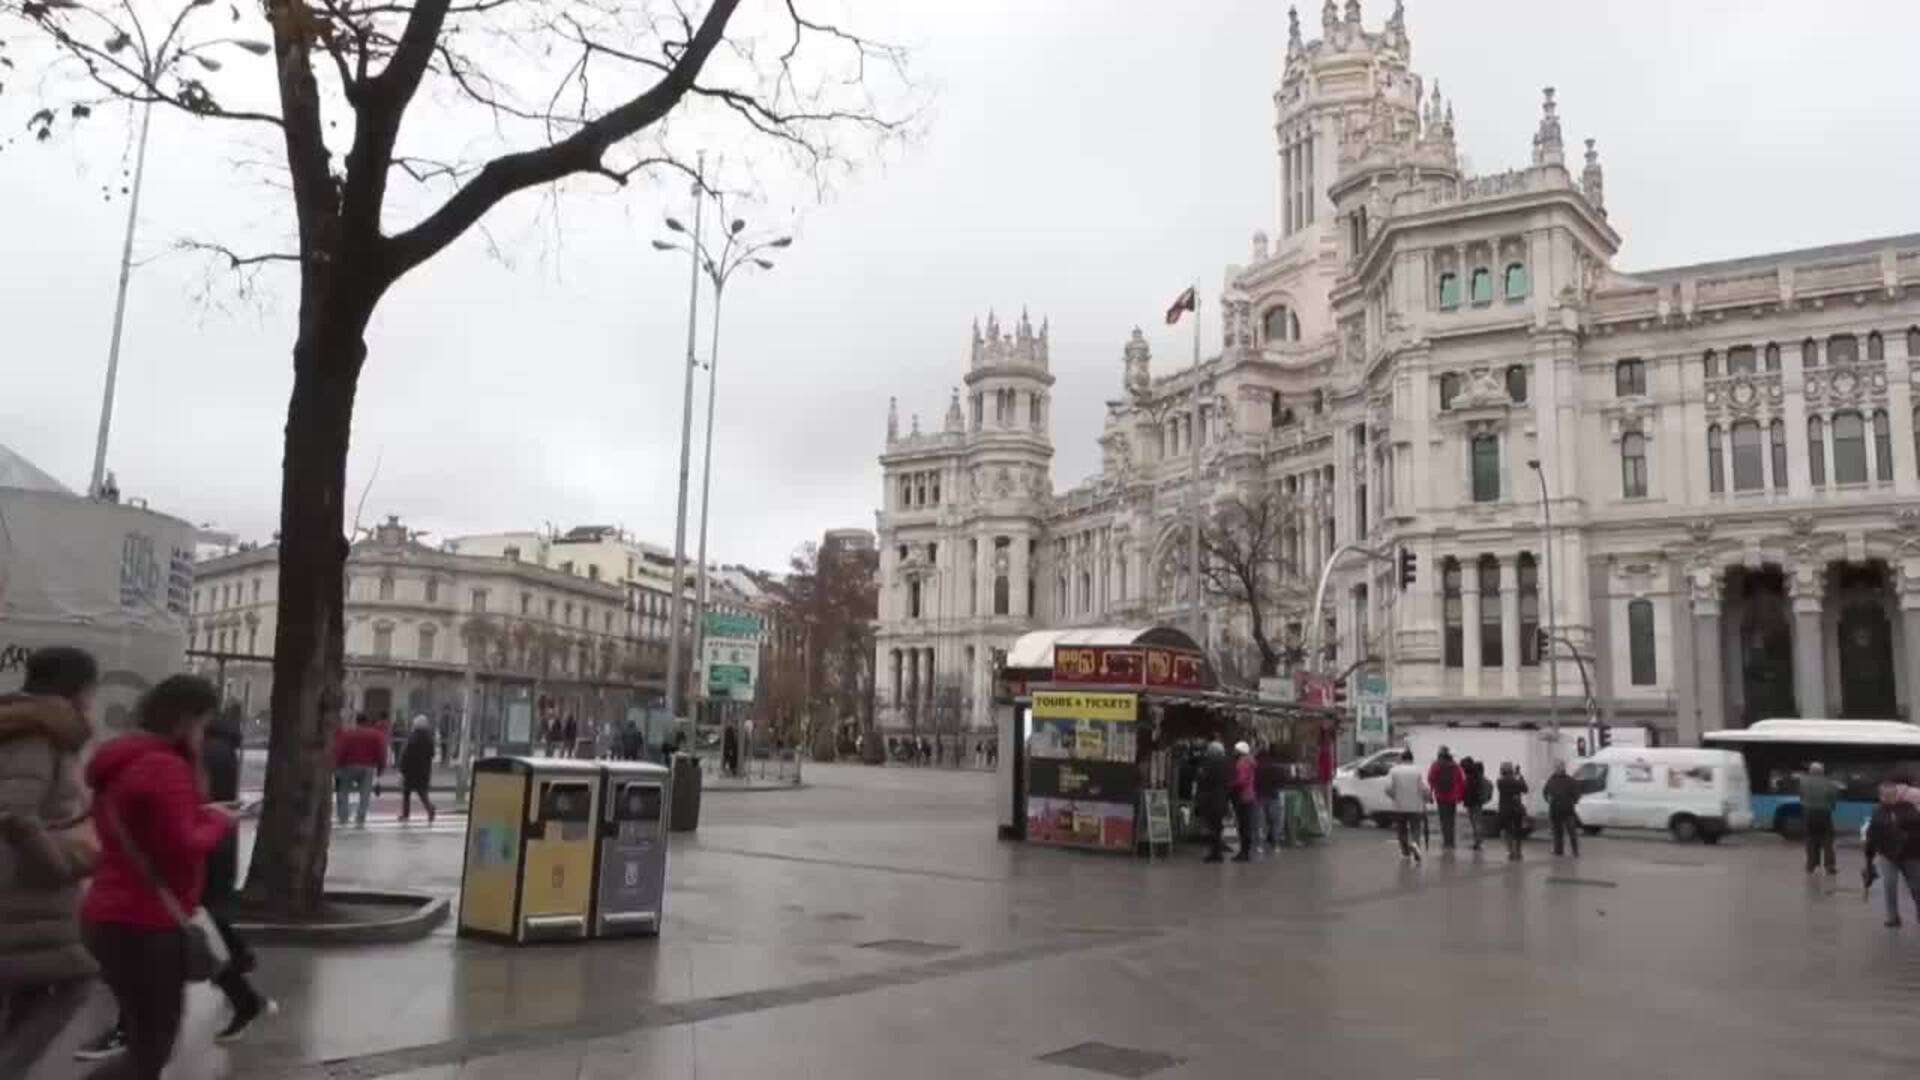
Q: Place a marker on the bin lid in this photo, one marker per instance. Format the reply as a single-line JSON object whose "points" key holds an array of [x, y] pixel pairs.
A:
{"points": [[543, 765], [631, 769]]}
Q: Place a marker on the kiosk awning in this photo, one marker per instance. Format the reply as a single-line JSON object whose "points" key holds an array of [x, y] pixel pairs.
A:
{"points": [[1034, 651]]}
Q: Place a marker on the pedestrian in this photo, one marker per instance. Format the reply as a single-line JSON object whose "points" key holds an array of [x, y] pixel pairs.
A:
{"points": [[47, 848], [1562, 793], [1893, 847], [993, 753], [1818, 794], [1512, 791], [1408, 792], [446, 736], [1245, 793], [1478, 793], [926, 751], [396, 736], [570, 738], [1448, 783], [1269, 786], [155, 836], [359, 755], [730, 751], [416, 768], [1210, 799]]}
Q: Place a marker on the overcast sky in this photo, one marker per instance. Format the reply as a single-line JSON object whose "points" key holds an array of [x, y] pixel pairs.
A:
{"points": [[1084, 159]]}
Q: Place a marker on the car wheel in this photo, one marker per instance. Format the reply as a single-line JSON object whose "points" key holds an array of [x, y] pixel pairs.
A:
{"points": [[1347, 812], [1590, 830], [1711, 837], [1685, 828]]}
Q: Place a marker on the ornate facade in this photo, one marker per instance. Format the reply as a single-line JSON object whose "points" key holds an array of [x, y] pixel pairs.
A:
{"points": [[1723, 455]]}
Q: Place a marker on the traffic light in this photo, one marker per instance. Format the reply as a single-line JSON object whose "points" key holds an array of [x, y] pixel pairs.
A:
{"points": [[1543, 643], [1340, 694], [1409, 567], [1606, 737]]}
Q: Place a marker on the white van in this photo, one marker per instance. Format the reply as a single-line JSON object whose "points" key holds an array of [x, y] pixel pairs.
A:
{"points": [[1693, 794], [1360, 786]]}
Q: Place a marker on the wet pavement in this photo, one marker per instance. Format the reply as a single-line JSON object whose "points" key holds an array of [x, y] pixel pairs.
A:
{"points": [[872, 925]]}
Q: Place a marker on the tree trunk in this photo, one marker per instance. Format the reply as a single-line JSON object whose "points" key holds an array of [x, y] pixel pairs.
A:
{"points": [[289, 865]]}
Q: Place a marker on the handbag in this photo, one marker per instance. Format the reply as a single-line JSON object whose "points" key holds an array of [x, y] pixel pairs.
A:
{"points": [[207, 954]]}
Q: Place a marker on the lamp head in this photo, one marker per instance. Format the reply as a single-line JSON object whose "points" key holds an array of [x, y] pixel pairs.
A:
{"points": [[785, 241], [674, 224], [662, 245], [1534, 464]]}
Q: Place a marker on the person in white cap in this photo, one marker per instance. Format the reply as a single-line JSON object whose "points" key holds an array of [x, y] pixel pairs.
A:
{"points": [[1408, 791], [1241, 787]]}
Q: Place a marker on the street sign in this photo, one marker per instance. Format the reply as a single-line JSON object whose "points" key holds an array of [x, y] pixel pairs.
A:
{"points": [[1370, 723], [732, 656]]}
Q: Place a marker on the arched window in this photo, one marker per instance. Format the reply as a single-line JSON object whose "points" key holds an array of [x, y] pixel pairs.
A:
{"points": [[1630, 378], [1716, 465], [1913, 342], [1849, 448], [1747, 468], [1451, 612], [1882, 447], [1773, 357], [1816, 451], [1777, 438], [1517, 383], [1486, 468], [1843, 349], [1481, 286], [1740, 360], [1274, 325], [1449, 291], [1061, 602], [1000, 597], [1640, 664], [1449, 389], [1490, 652], [1809, 353], [1528, 572], [1710, 363], [1086, 592], [1876, 347], [1516, 283], [1633, 465]]}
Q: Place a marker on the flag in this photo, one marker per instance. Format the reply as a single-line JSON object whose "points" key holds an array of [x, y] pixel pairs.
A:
{"points": [[1186, 301]]}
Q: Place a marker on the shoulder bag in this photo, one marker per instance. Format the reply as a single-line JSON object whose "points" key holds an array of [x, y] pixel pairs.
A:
{"points": [[207, 954]]}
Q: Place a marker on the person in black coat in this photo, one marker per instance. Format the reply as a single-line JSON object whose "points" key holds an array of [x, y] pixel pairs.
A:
{"points": [[1210, 800], [1476, 796], [416, 768]]}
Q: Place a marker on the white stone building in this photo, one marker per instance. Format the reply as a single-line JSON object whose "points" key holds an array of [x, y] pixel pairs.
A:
{"points": [[1727, 450]]}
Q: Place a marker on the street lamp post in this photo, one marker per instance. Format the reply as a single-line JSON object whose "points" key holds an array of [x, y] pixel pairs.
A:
{"points": [[1546, 532], [686, 444]]}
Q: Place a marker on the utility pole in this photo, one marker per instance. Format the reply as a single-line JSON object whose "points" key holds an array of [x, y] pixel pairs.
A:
{"points": [[677, 605], [1193, 478], [97, 486]]}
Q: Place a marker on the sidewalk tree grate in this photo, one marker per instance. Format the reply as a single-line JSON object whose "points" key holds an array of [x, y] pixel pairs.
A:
{"points": [[907, 947], [1110, 1060]]}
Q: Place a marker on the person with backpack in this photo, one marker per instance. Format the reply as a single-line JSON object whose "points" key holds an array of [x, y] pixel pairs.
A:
{"points": [[1893, 839], [1562, 793], [1512, 792], [1476, 793], [1448, 782]]}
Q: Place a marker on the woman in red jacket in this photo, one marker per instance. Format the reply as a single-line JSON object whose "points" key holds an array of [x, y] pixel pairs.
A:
{"points": [[147, 794]]}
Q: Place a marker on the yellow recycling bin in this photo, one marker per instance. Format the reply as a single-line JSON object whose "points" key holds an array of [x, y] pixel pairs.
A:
{"points": [[528, 874]]}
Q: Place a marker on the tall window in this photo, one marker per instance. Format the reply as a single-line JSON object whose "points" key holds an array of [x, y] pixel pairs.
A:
{"points": [[979, 419], [1086, 592], [1275, 324], [1033, 418], [426, 642], [1876, 347], [1516, 281], [1773, 357], [1449, 291], [1640, 642], [1633, 465], [1481, 286], [1747, 468], [1740, 360], [1528, 572], [1882, 447], [1630, 378], [433, 590], [1450, 605], [1486, 468], [1517, 383], [1816, 451], [913, 600], [386, 588], [1449, 389], [383, 641], [1809, 353], [1000, 599], [1777, 437], [1710, 363], [1843, 349], [1913, 342], [1490, 654], [480, 601], [1716, 464], [1849, 448]]}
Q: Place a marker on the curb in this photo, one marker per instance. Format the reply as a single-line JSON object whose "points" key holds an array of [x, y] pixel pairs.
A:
{"points": [[427, 913]]}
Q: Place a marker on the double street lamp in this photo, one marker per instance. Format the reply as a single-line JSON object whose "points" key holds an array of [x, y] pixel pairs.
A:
{"points": [[737, 251]]}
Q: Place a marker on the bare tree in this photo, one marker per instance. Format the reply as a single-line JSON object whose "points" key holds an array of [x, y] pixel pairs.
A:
{"points": [[563, 88], [828, 599], [1242, 549]]}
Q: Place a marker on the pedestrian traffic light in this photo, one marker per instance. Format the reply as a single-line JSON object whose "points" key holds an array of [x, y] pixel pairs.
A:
{"points": [[1409, 566]]}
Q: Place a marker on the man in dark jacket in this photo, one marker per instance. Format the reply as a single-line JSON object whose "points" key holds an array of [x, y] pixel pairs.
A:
{"points": [[1562, 793], [1512, 791], [220, 757], [1448, 783], [1210, 800], [1476, 793], [1893, 838], [1818, 794]]}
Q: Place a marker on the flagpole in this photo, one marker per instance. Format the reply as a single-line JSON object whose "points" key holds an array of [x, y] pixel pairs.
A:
{"points": [[1193, 481]]}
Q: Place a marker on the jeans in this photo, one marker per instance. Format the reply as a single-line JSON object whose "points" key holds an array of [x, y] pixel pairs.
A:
{"points": [[1407, 828], [1820, 840], [1243, 822], [147, 972], [1447, 811], [34, 1017], [1275, 810], [1566, 828], [1891, 874], [346, 780]]}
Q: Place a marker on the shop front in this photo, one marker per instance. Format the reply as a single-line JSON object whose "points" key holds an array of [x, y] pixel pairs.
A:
{"points": [[1101, 733]]}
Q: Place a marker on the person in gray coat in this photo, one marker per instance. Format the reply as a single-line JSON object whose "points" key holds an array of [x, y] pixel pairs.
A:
{"points": [[46, 851]]}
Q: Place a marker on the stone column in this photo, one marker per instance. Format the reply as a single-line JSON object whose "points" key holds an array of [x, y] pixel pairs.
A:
{"points": [[1806, 588], [1906, 583], [1509, 627], [1705, 585], [1470, 630], [1017, 577]]}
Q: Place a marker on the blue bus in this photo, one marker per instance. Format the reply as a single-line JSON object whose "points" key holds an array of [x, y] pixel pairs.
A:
{"points": [[1858, 754]]}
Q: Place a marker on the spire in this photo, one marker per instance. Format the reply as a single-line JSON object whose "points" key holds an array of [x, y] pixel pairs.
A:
{"points": [[956, 420], [916, 425], [1592, 182], [1397, 30], [1547, 148], [1353, 12], [1294, 44], [1026, 328], [893, 419], [1329, 18], [1137, 357]]}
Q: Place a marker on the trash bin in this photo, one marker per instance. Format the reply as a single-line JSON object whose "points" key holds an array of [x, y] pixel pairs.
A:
{"points": [[528, 874], [631, 894], [685, 814]]}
